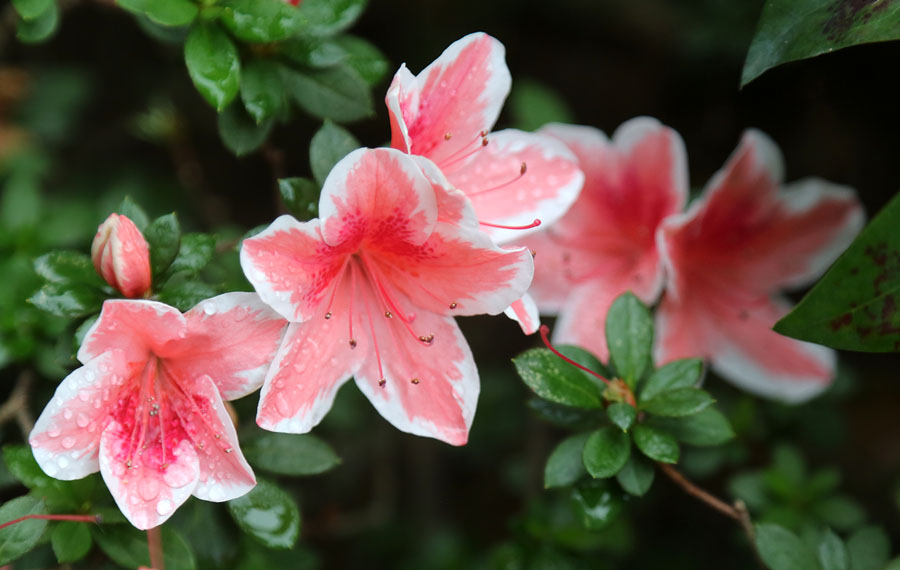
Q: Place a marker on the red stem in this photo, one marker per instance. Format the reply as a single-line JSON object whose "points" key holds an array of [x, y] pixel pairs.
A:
{"points": [[75, 518], [545, 330]]}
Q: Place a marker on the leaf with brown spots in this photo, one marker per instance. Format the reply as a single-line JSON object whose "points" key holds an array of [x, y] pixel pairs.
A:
{"points": [[855, 306]]}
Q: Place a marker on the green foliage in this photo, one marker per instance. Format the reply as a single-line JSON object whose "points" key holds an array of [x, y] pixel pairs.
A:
{"points": [[67, 300], [597, 504], [163, 235], [636, 476], [656, 444], [363, 57], [163, 12], [705, 428], [195, 253], [262, 90], [127, 546], [869, 548], [268, 514], [682, 373], [17, 539], [289, 454], [565, 465], [39, 28], [71, 541], [621, 414], [328, 17], [605, 452], [534, 104], [32, 9], [338, 93], [213, 64], [832, 552], [553, 379], [329, 145], [300, 197], [629, 336], [261, 21], [780, 549], [678, 402], [854, 306], [240, 132]]}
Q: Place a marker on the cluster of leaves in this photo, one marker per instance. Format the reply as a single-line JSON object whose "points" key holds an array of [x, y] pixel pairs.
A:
{"points": [[669, 409], [866, 549], [38, 19]]}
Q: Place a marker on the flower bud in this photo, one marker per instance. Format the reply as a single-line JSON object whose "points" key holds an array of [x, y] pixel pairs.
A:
{"points": [[121, 256]]}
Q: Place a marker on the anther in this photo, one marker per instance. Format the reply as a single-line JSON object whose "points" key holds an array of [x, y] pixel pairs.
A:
{"points": [[448, 135], [388, 314], [229, 450], [415, 380], [218, 436], [453, 305], [382, 382], [533, 253], [523, 169], [328, 315], [426, 339], [352, 343]]}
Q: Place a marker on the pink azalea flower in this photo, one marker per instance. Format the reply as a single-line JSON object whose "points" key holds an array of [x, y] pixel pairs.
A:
{"points": [[146, 407], [513, 178], [121, 256], [733, 252], [605, 244], [371, 289]]}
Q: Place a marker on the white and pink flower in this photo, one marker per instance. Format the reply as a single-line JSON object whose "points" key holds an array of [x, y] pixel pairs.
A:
{"points": [[146, 408], [121, 256], [371, 289]]}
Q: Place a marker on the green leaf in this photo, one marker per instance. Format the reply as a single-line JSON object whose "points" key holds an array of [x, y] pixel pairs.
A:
{"points": [[328, 17], [832, 552], [629, 336], [621, 414], [262, 89], [20, 204], [797, 29], [17, 539], [268, 514], [839, 511], [337, 93], [679, 402], [636, 476], [67, 267], [606, 452], [313, 52], [854, 306], [261, 21], [31, 9], [553, 379], [708, 427], [213, 64], [780, 549], [565, 465], [164, 12], [183, 291], [328, 146], [127, 546], [195, 253], [289, 454], [534, 104], [133, 211], [41, 27], [300, 197], [71, 541], [565, 416], [869, 548], [164, 237], [596, 504], [365, 58], [655, 444], [67, 300], [240, 132], [683, 373]]}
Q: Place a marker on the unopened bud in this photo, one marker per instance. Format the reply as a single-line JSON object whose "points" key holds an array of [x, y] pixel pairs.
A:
{"points": [[121, 256]]}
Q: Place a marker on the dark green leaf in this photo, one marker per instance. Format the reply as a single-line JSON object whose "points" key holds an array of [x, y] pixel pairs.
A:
{"points": [[183, 291], [262, 90], [17, 539], [60, 495], [127, 546], [606, 452], [195, 253], [336, 93], [364, 57], [164, 237], [314, 52], [31, 9], [67, 267], [300, 197], [621, 414], [133, 211], [655, 444], [163, 12], [565, 464], [289, 454], [839, 511], [327, 17], [832, 552], [708, 427], [261, 21], [596, 504], [869, 548], [629, 336], [240, 133], [636, 476], [797, 29], [213, 64], [71, 541], [67, 300], [41, 27], [780, 549], [268, 514], [534, 104], [679, 402], [683, 373], [565, 416], [329, 145], [854, 307], [553, 379]]}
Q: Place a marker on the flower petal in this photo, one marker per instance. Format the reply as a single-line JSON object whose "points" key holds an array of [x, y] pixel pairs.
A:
{"points": [[232, 338], [517, 178], [66, 436], [136, 327], [525, 312], [460, 94]]}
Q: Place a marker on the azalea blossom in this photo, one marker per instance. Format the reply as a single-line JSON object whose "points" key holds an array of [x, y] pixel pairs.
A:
{"points": [[121, 256], [605, 244], [730, 256], [371, 289], [514, 179], [146, 408]]}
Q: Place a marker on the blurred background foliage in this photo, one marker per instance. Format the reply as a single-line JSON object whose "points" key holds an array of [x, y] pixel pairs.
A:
{"points": [[106, 109]]}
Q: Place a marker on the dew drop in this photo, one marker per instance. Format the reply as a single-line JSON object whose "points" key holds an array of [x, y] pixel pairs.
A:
{"points": [[178, 475], [62, 461], [415, 380], [164, 507], [68, 442], [53, 432], [68, 415], [148, 488], [209, 308]]}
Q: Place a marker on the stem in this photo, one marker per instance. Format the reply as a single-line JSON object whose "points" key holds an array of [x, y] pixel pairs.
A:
{"points": [[154, 545], [76, 518], [545, 330], [16, 406]]}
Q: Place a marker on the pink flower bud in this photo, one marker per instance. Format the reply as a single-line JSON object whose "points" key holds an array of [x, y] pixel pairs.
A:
{"points": [[121, 256]]}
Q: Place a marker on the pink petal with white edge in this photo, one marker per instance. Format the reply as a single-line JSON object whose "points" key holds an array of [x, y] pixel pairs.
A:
{"points": [[551, 285], [442, 112], [66, 436], [290, 266], [517, 178], [525, 312], [233, 338], [136, 327], [428, 390], [130, 258], [377, 194]]}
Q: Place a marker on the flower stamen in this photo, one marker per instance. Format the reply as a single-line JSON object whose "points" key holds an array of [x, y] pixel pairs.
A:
{"points": [[545, 330]]}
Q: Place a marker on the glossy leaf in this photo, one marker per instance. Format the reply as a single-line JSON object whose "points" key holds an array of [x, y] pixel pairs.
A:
{"points": [[67, 267], [127, 546], [262, 90], [268, 514], [565, 416], [679, 402], [17, 539], [855, 305], [290, 454], [195, 253], [621, 414], [683, 373], [327, 17], [213, 64], [240, 132], [606, 452], [261, 21], [656, 444], [832, 552], [780, 549], [364, 57], [797, 29], [184, 290], [71, 541], [636, 476], [313, 51], [565, 465], [41, 27], [164, 237], [31, 9], [300, 197], [597, 504], [163, 12], [330, 144], [708, 427], [629, 336], [67, 300], [337, 93], [869, 548], [553, 379]]}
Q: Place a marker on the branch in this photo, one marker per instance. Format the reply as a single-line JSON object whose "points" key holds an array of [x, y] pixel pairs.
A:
{"points": [[16, 406]]}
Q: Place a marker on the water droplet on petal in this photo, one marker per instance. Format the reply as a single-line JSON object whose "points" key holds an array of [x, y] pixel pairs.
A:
{"points": [[68, 442], [209, 308], [62, 461], [164, 507], [178, 475], [67, 414], [148, 488], [53, 432]]}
